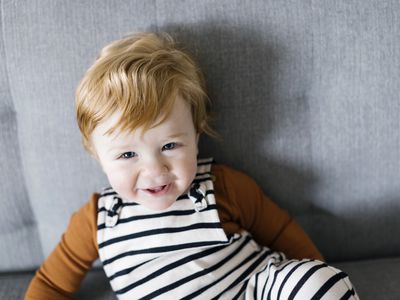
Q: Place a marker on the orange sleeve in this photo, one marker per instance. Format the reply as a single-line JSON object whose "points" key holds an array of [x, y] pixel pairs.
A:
{"points": [[243, 205], [62, 272]]}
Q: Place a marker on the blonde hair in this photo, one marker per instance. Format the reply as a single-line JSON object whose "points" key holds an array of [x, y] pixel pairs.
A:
{"points": [[140, 76]]}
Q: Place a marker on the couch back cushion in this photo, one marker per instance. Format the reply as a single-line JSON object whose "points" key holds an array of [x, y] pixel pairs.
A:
{"points": [[305, 93]]}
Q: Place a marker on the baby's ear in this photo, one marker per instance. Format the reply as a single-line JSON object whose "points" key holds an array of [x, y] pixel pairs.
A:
{"points": [[197, 143], [97, 159], [93, 153], [197, 138]]}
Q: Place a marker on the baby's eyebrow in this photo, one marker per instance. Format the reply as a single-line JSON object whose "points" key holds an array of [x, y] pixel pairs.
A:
{"points": [[118, 147], [175, 135]]}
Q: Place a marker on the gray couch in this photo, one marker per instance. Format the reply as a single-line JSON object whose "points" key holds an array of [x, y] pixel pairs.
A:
{"points": [[306, 97]]}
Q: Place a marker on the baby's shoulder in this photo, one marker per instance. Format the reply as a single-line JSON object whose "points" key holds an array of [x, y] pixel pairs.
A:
{"points": [[231, 177], [90, 207]]}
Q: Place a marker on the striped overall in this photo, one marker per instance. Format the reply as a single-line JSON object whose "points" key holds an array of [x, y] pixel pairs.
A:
{"points": [[184, 253]]}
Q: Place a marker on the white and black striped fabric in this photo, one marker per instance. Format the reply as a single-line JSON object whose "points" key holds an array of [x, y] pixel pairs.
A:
{"points": [[184, 253]]}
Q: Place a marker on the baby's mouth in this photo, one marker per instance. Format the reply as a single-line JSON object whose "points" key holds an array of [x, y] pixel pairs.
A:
{"points": [[158, 190]]}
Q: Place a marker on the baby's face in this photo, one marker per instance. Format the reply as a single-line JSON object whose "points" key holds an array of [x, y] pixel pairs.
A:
{"points": [[154, 167]]}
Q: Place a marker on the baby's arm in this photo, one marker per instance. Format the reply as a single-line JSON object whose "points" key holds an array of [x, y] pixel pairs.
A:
{"points": [[62, 272], [270, 225]]}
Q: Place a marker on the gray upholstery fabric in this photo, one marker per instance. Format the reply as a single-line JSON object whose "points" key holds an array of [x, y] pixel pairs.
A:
{"points": [[374, 279], [305, 93], [14, 285], [19, 246]]}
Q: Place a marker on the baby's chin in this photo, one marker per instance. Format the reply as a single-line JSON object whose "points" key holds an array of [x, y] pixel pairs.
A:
{"points": [[159, 205]]}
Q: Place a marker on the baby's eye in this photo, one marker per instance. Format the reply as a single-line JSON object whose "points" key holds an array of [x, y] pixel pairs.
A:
{"points": [[169, 146], [127, 155]]}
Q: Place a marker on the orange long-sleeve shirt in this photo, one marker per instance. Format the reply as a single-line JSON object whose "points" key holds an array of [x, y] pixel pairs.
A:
{"points": [[241, 205]]}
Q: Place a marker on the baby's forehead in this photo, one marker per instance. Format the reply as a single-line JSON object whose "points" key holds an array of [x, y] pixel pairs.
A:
{"points": [[111, 128], [120, 124]]}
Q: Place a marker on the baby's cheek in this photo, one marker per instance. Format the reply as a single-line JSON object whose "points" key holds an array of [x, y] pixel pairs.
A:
{"points": [[190, 169], [121, 181], [114, 182]]}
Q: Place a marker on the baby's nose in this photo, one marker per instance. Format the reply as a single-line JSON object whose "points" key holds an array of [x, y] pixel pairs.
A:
{"points": [[156, 167]]}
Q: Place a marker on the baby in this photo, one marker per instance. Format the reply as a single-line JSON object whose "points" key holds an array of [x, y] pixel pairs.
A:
{"points": [[173, 226]]}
